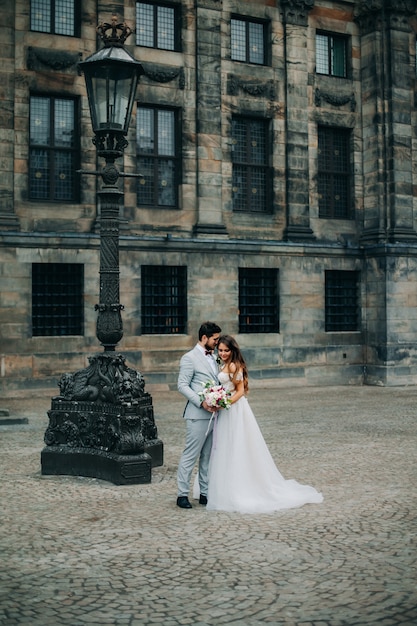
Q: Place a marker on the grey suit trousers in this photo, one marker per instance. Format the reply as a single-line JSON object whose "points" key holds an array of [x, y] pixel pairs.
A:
{"points": [[197, 445]]}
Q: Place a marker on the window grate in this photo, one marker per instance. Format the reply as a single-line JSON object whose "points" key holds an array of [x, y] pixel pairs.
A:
{"points": [[341, 301], [57, 299], [258, 300], [334, 179], [250, 177], [164, 299]]}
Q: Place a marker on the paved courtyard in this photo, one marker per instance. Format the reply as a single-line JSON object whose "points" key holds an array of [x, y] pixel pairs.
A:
{"points": [[77, 551]]}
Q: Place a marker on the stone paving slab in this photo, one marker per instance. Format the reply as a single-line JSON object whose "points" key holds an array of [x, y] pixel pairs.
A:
{"points": [[78, 551]]}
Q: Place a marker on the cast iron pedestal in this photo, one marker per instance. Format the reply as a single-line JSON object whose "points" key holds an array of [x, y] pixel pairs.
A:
{"points": [[102, 425]]}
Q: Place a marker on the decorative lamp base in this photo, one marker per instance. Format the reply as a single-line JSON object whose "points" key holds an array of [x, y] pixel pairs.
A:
{"points": [[102, 425], [119, 469]]}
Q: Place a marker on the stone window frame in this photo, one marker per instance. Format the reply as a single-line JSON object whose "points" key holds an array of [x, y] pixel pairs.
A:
{"points": [[248, 21], [164, 300], [258, 300], [342, 301], [57, 299], [157, 158], [53, 150], [249, 167], [71, 7], [330, 62], [330, 174], [156, 24]]}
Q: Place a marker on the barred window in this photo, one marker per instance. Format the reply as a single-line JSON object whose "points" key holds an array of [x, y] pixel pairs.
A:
{"points": [[164, 299], [54, 149], [341, 301], [157, 25], [57, 299], [258, 300], [331, 54], [248, 41], [60, 17], [250, 183], [157, 157], [334, 177]]}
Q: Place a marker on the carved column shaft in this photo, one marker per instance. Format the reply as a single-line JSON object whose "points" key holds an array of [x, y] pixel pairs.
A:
{"points": [[296, 71], [208, 122], [8, 217], [109, 319], [387, 119]]}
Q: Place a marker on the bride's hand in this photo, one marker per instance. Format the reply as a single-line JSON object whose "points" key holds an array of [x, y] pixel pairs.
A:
{"points": [[210, 409]]}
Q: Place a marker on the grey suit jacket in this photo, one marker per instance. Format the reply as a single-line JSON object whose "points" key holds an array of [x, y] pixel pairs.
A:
{"points": [[194, 372]]}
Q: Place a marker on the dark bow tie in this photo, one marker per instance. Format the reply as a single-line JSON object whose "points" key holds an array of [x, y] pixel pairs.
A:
{"points": [[208, 352]]}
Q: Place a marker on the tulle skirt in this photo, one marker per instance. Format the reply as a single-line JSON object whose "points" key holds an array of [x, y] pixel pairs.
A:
{"points": [[243, 476]]}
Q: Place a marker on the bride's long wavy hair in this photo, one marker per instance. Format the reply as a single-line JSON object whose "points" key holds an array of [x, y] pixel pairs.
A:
{"points": [[236, 357]]}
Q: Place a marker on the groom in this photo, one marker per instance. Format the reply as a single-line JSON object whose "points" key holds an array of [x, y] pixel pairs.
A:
{"points": [[196, 368]]}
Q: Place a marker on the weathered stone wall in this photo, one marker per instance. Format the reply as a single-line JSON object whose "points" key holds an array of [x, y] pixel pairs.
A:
{"points": [[376, 101]]}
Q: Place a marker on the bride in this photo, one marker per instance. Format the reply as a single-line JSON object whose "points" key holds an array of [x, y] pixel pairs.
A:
{"points": [[243, 476]]}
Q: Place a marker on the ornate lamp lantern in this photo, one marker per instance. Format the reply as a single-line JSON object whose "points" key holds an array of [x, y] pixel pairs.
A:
{"points": [[102, 423], [111, 76]]}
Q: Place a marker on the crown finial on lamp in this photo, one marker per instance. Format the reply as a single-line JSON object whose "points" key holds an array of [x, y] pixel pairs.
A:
{"points": [[118, 35]]}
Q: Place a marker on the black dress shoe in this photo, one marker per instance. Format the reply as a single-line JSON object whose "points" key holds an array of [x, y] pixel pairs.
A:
{"points": [[203, 500], [183, 502]]}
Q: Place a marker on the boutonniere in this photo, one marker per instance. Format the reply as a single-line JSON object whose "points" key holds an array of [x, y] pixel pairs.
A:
{"points": [[218, 361]]}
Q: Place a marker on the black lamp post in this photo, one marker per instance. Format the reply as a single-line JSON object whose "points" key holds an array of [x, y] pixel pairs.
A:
{"points": [[111, 77], [102, 422]]}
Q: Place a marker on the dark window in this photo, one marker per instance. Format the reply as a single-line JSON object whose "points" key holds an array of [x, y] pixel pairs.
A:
{"points": [[57, 299], [157, 26], [341, 301], [334, 179], [331, 55], [157, 158], [164, 300], [60, 17], [248, 41], [258, 300], [250, 183], [53, 154]]}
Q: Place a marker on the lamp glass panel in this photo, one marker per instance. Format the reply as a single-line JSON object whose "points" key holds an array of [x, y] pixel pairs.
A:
{"points": [[110, 89]]}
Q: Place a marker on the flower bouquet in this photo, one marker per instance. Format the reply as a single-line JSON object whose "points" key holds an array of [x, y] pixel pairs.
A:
{"points": [[216, 396]]}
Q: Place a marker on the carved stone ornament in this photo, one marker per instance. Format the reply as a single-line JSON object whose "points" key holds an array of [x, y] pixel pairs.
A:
{"points": [[368, 13], [161, 74], [39, 59], [296, 11], [335, 100], [235, 84]]}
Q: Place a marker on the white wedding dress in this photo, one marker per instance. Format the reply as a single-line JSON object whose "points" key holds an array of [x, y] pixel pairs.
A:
{"points": [[243, 476]]}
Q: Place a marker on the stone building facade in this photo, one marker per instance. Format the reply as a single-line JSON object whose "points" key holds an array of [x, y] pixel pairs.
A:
{"points": [[273, 147]]}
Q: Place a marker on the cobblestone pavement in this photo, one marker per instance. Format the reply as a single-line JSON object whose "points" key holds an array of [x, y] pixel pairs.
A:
{"points": [[77, 551]]}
